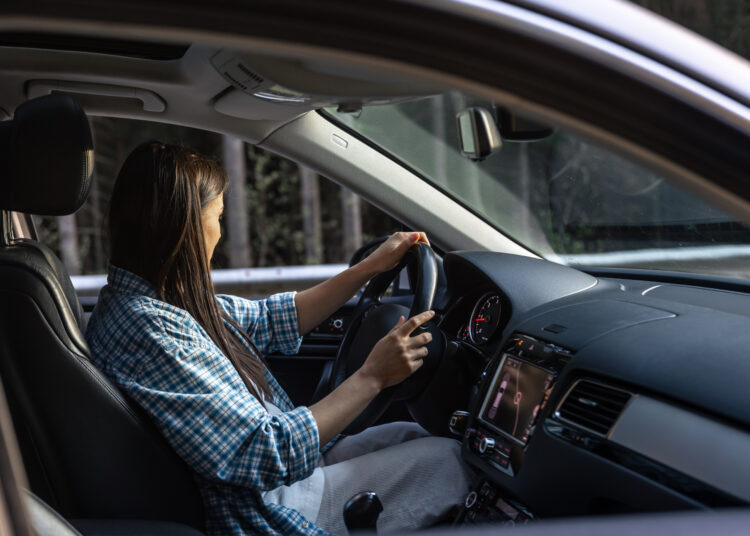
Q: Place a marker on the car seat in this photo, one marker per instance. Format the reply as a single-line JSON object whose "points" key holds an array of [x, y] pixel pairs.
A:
{"points": [[88, 451]]}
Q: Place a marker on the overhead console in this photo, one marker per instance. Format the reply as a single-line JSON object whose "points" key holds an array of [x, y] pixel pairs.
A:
{"points": [[276, 87]]}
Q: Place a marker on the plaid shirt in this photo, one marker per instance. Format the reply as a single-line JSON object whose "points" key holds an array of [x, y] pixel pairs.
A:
{"points": [[164, 360]]}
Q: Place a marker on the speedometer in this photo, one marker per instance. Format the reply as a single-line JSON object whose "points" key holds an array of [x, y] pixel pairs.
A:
{"points": [[485, 318]]}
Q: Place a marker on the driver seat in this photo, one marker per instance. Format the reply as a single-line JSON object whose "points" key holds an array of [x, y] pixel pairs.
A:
{"points": [[88, 451]]}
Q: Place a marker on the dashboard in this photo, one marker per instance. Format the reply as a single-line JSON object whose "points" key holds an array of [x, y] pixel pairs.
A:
{"points": [[597, 395]]}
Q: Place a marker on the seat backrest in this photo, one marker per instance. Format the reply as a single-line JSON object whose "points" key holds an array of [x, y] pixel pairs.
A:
{"points": [[89, 452]]}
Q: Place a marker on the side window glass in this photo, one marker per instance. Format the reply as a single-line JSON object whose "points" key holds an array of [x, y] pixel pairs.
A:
{"points": [[277, 213]]}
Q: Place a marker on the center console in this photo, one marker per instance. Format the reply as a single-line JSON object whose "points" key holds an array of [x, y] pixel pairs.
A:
{"points": [[515, 388]]}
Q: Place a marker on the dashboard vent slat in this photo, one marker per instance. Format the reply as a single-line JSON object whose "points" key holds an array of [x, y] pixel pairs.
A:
{"points": [[593, 406]]}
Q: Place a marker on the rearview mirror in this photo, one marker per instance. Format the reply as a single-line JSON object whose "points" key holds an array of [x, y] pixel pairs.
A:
{"points": [[478, 136]]}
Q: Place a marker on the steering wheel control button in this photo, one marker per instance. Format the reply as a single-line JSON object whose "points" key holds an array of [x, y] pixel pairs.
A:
{"points": [[471, 500], [463, 333]]}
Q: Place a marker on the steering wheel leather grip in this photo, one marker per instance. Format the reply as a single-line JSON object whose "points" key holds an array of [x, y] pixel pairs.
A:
{"points": [[373, 319]]}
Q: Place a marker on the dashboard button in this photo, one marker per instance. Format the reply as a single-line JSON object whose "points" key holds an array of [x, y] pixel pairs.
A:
{"points": [[471, 500], [487, 492], [500, 460], [502, 446], [486, 445], [478, 437]]}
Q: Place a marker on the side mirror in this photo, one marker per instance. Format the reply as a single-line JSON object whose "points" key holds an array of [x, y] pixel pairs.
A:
{"points": [[478, 136], [516, 128]]}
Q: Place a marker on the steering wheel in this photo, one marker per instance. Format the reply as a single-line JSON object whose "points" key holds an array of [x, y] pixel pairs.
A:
{"points": [[372, 320]]}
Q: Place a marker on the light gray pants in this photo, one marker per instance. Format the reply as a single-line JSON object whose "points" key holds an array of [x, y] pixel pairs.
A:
{"points": [[417, 477]]}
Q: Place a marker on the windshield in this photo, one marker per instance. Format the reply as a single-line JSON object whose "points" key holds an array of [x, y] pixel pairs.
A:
{"points": [[560, 196]]}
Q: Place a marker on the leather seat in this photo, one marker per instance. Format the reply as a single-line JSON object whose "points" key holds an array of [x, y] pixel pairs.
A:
{"points": [[88, 451]]}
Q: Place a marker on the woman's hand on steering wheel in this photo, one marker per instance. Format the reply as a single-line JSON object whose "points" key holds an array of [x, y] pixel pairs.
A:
{"points": [[401, 366], [395, 357], [398, 355], [390, 252]]}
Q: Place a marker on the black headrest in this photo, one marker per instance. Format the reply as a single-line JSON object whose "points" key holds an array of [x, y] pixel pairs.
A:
{"points": [[46, 157]]}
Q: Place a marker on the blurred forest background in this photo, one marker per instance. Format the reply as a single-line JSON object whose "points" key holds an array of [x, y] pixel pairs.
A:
{"points": [[277, 212], [726, 22]]}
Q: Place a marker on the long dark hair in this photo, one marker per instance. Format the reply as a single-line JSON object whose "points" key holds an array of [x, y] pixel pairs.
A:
{"points": [[156, 232]]}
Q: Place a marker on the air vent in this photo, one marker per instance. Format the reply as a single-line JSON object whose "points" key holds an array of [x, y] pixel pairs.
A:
{"points": [[593, 406]]}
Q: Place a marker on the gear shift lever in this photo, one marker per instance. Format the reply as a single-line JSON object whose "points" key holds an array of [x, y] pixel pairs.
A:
{"points": [[361, 511]]}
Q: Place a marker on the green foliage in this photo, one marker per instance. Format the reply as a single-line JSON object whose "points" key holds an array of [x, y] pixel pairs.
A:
{"points": [[273, 209]]}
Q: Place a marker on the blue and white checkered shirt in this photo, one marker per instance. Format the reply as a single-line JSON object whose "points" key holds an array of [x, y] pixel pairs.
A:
{"points": [[164, 360]]}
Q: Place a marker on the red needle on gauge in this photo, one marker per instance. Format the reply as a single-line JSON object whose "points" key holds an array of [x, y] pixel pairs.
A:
{"points": [[479, 319]]}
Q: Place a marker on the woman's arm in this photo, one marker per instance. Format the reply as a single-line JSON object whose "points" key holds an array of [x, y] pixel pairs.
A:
{"points": [[200, 404], [316, 304]]}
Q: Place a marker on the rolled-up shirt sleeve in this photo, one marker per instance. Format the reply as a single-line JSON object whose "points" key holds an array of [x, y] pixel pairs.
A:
{"points": [[271, 323], [206, 413]]}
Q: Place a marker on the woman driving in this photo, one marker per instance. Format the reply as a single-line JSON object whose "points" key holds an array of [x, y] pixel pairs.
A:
{"points": [[194, 361]]}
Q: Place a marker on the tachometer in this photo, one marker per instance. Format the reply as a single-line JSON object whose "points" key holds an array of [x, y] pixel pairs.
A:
{"points": [[485, 318]]}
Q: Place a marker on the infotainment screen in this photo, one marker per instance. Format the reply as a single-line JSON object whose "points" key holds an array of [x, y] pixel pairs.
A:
{"points": [[518, 392]]}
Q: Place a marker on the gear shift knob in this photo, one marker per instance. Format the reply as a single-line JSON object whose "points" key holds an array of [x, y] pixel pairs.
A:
{"points": [[361, 511]]}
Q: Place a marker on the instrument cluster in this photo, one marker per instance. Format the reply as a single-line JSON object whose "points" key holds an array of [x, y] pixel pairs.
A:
{"points": [[485, 318], [480, 320]]}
